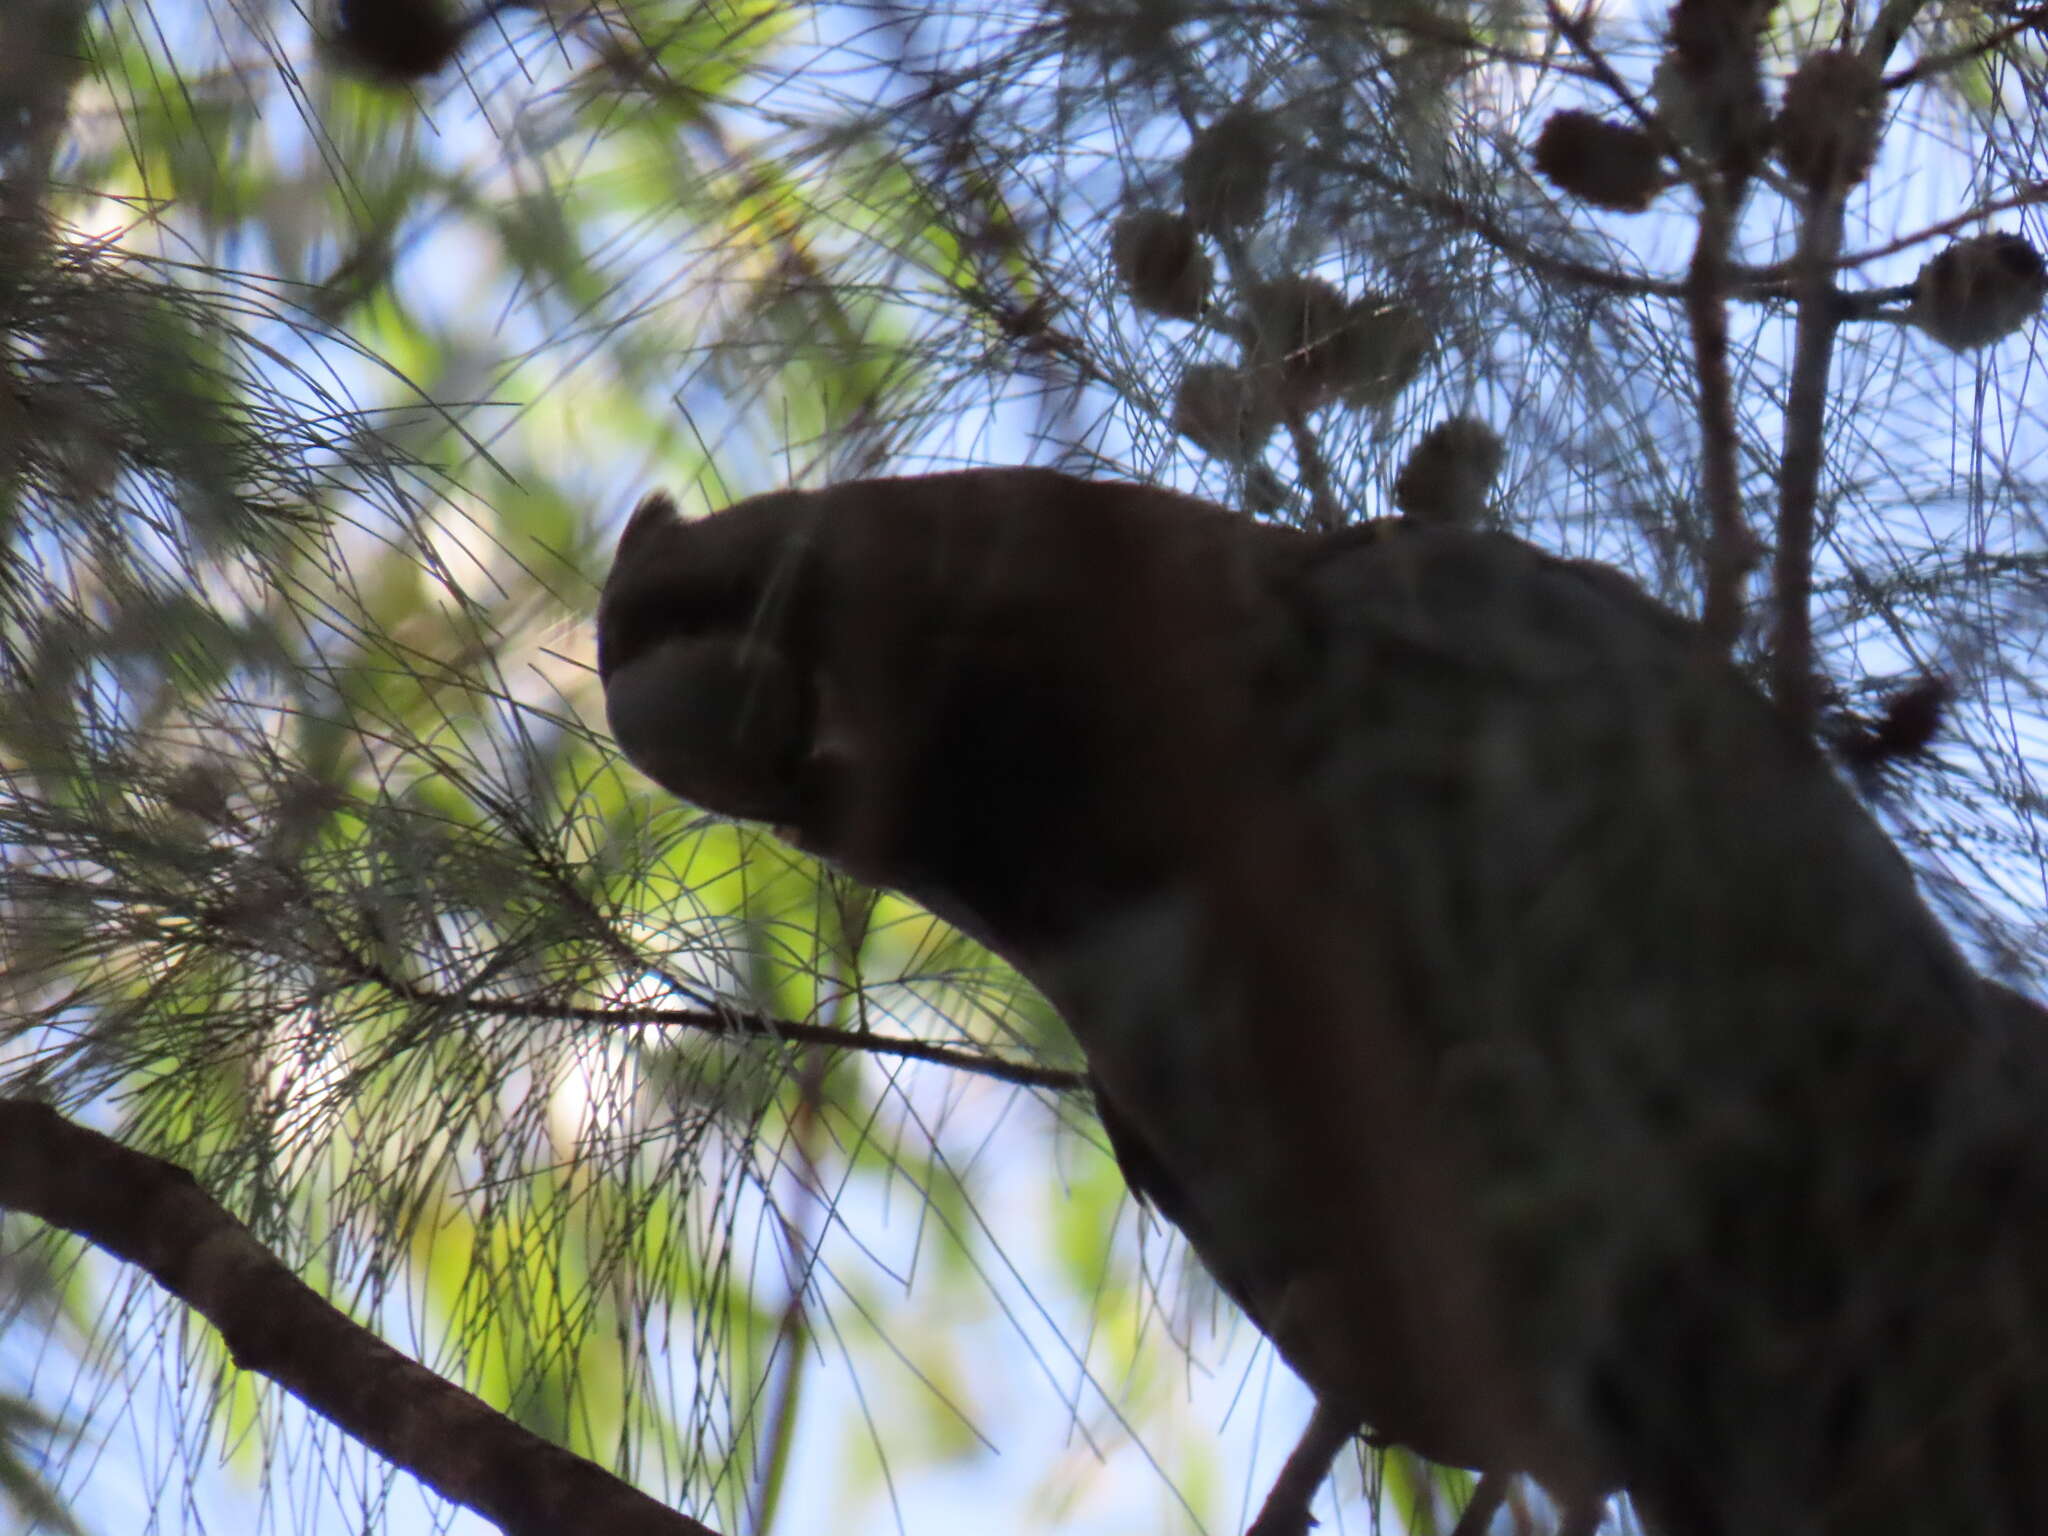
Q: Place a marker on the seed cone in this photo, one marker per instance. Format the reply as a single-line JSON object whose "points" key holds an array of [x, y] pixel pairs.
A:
{"points": [[1224, 411], [1708, 83], [1610, 165], [1160, 262], [1227, 173], [396, 41], [1827, 129], [1448, 473], [1979, 290]]}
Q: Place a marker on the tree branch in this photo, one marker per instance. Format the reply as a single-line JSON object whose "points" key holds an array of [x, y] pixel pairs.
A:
{"points": [[151, 1213], [725, 1022], [1285, 1512], [1806, 401], [1731, 547]]}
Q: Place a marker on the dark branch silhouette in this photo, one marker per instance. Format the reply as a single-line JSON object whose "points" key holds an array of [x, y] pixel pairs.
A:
{"points": [[153, 1214]]}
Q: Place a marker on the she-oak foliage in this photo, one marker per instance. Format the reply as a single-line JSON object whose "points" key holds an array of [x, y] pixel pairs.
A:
{"points": [[333, 335]]}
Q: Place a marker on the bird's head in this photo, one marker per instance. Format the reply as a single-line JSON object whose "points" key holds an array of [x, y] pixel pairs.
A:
{"points": [[700, 642], [989, 689]]}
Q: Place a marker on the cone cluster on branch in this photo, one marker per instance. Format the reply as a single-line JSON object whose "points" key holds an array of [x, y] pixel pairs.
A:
{"points": [[1305, 346], [1314, 346], [1709, 93]]}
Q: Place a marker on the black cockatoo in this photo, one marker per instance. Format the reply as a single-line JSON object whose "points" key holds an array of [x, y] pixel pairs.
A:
{"points": [[1523, 1024]]}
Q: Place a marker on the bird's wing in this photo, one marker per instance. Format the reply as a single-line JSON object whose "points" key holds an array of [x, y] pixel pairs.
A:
{"points": [[1704, 1063]]}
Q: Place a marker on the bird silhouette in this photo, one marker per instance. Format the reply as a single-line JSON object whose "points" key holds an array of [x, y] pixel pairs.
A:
{"points": [[1528, 1029]]}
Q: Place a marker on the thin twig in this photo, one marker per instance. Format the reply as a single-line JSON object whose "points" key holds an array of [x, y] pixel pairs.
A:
{"points": [[1890, 26], [728, 1023], [1461, 213], [1488, 1494], [2027, 196], [1580, 36], [793, 1332], [1939, 63], [1325, 510]]}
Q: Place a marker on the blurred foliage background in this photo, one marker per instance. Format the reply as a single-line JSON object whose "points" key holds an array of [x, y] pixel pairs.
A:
{"points": [[335, 338]]}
